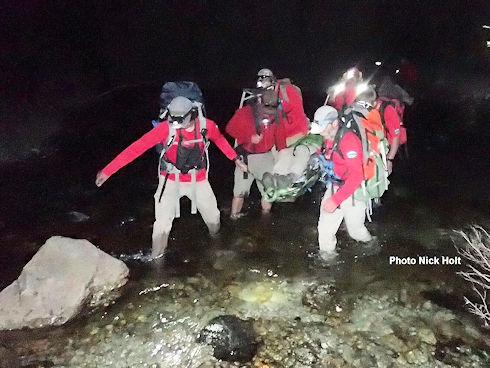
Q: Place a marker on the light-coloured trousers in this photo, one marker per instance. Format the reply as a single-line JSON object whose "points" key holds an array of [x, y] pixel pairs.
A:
{"points": [[165, 209], [353, 212], [290, 160], [258, 164]]}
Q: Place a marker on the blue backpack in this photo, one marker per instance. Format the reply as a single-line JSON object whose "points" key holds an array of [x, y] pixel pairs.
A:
{"points": [[170, 90]]}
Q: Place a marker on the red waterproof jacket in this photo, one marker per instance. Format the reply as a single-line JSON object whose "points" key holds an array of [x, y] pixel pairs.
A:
{"points": [[242, 127], [159, 134], [393, 116], [347, 166], [293, 120]]}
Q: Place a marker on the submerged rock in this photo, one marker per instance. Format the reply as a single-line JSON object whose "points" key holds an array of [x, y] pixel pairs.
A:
{"points": [[63, 276], [320, 297], [232, 338]]}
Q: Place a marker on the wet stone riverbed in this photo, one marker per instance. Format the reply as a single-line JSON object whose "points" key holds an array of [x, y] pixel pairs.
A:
{"points": [[358, 311]]}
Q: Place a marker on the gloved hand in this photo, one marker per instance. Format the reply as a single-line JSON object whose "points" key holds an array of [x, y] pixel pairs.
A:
{"points": [[256, 138], [241, 165], [100, 178]]}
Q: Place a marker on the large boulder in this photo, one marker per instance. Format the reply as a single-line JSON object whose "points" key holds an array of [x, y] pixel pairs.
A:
{"points": [[63, 276]]}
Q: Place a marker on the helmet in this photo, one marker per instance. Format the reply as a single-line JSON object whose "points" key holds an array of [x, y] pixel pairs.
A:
{"points": [[352, 74], [324, 115], [265, 79], [265, 73], [179, 111]]}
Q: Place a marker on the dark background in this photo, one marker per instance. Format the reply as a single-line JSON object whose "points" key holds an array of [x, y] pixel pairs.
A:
{"points": [[223, 44]]}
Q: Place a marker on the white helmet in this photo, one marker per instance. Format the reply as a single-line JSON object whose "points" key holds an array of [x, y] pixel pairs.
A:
{"points": [[265, 79], [179, 112], [324, 115]]}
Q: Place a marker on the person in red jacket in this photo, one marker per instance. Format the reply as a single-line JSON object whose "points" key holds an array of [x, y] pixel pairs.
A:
{"points": [[290, 161], [346, 177], [253, 127], [343, 94], [183, 167], [391, 105]]}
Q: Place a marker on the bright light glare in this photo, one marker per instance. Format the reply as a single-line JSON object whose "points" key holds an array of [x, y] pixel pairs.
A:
{"points": [[361, 88], [487, 27], [378, 63], [488, 43], [338, 88], [397, 71], [350, 74]]}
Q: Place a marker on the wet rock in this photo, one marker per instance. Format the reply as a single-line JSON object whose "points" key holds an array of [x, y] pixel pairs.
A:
{"points": [[223, 259], [63, 276], [232, 338], [427, 336], [8, 359], [320, 297]]}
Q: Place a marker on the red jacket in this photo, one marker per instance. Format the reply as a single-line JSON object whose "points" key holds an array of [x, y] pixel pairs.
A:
{"points": [[346, 97], [159, 134], [349, 167], [294, 122], [242, 127], [393, 120]]}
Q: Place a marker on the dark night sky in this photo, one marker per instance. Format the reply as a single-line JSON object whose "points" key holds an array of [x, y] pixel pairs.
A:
{"points": [[224, 43]]}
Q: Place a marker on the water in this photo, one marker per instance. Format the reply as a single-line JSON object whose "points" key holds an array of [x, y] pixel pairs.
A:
{"points": [[358, 312]]}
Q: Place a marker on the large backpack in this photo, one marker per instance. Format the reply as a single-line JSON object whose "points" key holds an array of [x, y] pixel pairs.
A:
{"points": [[283, 83], [365, 122], [169, 91]]}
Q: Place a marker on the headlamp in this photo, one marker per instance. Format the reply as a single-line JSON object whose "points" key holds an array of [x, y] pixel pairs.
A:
{"points": [[180, 121]]}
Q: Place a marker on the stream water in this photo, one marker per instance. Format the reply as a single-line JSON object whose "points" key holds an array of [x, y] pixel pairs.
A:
{"points": [[359, 312]]}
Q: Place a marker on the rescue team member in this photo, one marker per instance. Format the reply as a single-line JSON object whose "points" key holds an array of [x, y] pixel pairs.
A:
{"points": [[347, 176], [253, 127], [391, 105], [343, 94], [290, 161], [183, 168], [392, 126]]}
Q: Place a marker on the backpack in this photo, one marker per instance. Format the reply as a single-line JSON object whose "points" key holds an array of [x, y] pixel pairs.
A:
{"points": [[169, 91], [403, 130], [283, 83], [365, 122]]}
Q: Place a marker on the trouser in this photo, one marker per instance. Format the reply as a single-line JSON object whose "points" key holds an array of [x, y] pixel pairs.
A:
{"points": [[258, 164], [165, 207], [291, 160], [353, 212]]}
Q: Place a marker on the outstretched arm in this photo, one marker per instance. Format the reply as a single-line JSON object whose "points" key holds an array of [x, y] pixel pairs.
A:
{"points": [[134, 150]]}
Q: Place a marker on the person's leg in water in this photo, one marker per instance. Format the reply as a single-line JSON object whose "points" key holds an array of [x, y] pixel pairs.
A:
{"points": [[241, 189], [208, 206], [328, 225], [260, 164], [354, 217], [164, 215]]}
